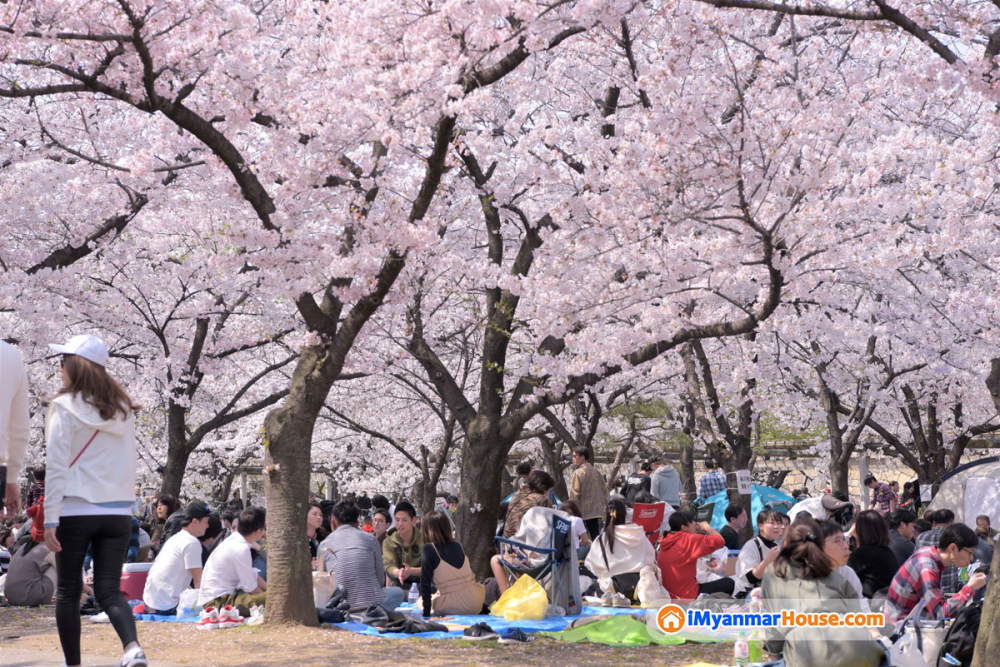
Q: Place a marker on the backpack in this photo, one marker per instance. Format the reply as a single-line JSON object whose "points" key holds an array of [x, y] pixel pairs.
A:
{"points": [[960, 642]]}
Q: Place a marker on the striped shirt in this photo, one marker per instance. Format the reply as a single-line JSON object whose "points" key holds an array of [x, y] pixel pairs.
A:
{"points": [[920, 579], [355, 558]]}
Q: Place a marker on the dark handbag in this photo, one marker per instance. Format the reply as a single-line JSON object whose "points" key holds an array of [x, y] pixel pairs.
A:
{"points": [[625, 583]]}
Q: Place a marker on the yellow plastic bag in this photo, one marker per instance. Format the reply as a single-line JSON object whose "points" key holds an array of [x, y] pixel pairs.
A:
{"points": [[526, 600]]}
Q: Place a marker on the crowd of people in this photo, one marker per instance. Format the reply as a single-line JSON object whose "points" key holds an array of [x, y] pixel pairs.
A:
{"points": [[84, 515]]}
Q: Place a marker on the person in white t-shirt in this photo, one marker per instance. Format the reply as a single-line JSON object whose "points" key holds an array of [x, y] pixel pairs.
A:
{"points": [[178, 563], [229, 577]]}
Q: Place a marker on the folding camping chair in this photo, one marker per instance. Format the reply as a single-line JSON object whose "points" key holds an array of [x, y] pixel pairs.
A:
{"points": [[546, 558], [650, 517]]}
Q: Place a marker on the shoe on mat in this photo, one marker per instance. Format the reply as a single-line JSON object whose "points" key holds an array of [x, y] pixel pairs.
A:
{"points": [[620, 601], [100, 618], [209, 619], [134, 657], [479, 632], [607, 600], [230, 617], [515, 636]]}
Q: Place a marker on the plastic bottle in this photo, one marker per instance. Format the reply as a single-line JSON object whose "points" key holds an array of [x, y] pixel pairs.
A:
{"points": [[414, 594], [963, 575], [741, 651], [756, 647]]}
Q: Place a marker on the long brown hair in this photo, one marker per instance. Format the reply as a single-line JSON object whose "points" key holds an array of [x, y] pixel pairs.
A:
{"points": [[803, 547], [435, 528], [93, 384]]}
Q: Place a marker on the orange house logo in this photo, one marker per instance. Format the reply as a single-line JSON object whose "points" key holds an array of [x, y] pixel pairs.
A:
{"points": [[671, 619]]}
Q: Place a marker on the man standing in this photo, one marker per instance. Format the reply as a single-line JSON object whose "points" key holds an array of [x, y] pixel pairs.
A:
{"points": [[883, 499], [236, 504], [14, 426], [588, 491], [178, 564], [736, 516], [636, 482], [666, 483], [901, 534], [712, 482]]}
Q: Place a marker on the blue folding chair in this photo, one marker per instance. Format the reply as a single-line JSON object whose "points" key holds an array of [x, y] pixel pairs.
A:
{"points": [[557, 553]]}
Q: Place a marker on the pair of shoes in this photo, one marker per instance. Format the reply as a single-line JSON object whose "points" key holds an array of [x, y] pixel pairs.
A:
{"points": [[256, 615], [515, 636], [620, 601], [100, 618], [215, 619], [479, 632], [607, 600], [134, 657]]}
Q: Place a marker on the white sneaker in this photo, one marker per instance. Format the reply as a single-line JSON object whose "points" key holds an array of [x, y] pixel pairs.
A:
{"points": [[209, 619], [256, 615], [230, 617], [100, 618], [134, 657]]}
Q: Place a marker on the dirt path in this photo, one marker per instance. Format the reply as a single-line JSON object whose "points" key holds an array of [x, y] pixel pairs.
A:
{"points": [[28, 639]]}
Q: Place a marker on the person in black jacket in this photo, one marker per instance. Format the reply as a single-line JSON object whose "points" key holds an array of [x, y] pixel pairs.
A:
{"points": [[736, 519], [636, 482], [901, 529], [873, 560]]}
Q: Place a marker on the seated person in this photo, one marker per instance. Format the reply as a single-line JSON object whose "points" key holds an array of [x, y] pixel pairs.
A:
{"points": [[179, 563], [229, 577], [535, 530], [535, 494], [581, 538], [837, 549], [873, 560], [736, 518], [31, 579], [6, 542], [443, 564], [920, 577], [355, 561], [680, 550], [314, 530], [401, 548], [802, 578], [759, 552], [622, 548], [902, 526]]}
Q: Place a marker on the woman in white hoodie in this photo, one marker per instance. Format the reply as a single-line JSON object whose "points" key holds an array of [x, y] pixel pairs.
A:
{"points": [[90, 478], [622, 548]]}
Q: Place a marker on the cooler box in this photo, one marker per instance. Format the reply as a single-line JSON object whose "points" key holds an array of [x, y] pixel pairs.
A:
{"points": [[134, 579]]}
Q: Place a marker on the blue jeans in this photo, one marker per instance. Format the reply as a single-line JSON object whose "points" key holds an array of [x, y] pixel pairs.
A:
{"points": [[392, 597]]}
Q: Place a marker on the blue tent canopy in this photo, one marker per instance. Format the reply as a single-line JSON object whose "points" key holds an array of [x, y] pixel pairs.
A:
{"points": [[763, 497]]}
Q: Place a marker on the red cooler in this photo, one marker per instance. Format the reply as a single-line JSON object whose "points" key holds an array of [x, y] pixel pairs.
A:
{"points": [[134, 579]]}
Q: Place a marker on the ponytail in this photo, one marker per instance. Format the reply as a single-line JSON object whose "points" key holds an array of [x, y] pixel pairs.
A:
{"points": [[614, 515], [803, 547]]}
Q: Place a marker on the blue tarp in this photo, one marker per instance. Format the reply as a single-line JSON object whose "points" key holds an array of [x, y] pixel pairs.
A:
{"points": [[761, 498]]}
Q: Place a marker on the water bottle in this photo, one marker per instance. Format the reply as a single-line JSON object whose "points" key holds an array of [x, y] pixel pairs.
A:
{"points": [[414, 594], [963, 575], [741, 652], [756, 647]]}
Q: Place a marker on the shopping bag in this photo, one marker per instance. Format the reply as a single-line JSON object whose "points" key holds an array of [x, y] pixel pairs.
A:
{"points": [[525, 600], [188, 605], [919, 643], [322, 588]]}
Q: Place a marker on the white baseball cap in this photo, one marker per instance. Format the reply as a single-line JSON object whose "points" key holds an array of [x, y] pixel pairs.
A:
{"points": [[88, 347]]}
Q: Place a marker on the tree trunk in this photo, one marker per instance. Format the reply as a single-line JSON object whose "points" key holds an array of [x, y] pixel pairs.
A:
{"points": [[776, 478], [839, 474], [480, 491], [988, 639], [177, 451], [688, 489], [552, 455], [287, 467]]}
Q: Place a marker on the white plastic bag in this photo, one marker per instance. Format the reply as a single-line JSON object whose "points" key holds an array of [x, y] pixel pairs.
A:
{"points": [[711, 567], [649, 591], [188, 605]]}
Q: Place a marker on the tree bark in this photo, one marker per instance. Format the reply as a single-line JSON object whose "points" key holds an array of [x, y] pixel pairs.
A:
{"points": [[482, 468], [689, 490]]}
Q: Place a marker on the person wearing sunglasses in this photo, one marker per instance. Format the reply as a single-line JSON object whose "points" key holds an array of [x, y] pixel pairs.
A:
{"points": [[89, 485], [920, 577]]}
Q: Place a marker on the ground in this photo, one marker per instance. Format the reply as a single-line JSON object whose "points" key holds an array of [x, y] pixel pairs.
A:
{"points": [[28, 639]]}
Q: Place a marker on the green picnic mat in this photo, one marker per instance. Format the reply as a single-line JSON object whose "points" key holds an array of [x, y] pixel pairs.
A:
{"points": [[625, 631]]}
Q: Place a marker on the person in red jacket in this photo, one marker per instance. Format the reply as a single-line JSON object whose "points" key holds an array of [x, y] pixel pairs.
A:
{"points": [[680, 550]]}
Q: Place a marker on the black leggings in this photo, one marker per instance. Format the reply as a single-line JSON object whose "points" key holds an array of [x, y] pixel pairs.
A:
{"points": [[724, 585], [108, 537]]}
